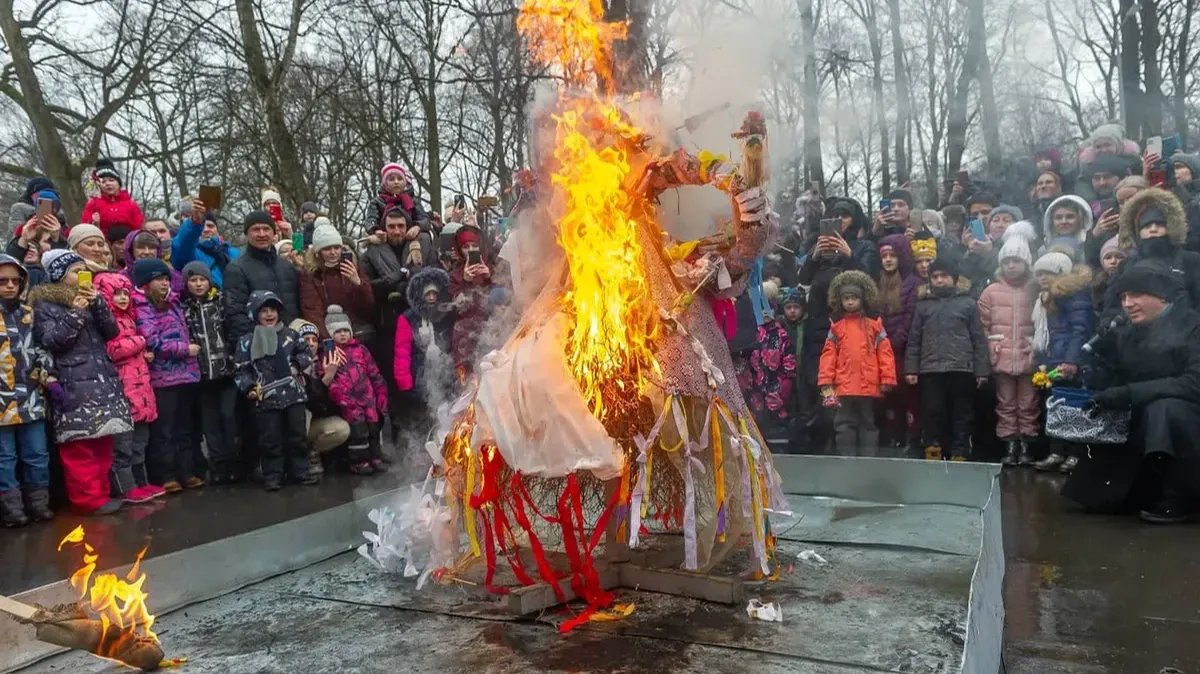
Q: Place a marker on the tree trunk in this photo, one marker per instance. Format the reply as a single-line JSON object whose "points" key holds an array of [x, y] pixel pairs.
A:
{"points": [[56, 159], [1183, 53], [1131, 95], [871, 22], [267, 78], [903, 96], [813, 166], [629, 55], [956, 113], [1152, 108], [990, 116]]}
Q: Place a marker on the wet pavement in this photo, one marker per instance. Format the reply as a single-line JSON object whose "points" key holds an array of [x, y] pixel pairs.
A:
{"points": [[169, 524], [1095, 594]]}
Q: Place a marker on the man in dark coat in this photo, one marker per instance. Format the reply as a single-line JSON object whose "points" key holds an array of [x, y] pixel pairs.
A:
{"points": [[259, 268], [1152, 367]]}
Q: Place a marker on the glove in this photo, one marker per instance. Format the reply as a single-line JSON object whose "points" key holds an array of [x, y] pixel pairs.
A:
{"points": [[1114, 398]]}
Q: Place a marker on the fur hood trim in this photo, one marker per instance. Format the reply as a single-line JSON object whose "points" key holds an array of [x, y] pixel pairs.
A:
{"points": [[55, 293], [857, 278], [1066, 285], [1168, 203]]}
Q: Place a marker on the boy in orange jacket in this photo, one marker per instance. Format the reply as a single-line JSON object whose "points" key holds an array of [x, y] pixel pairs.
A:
{"points": [[857, 363]]}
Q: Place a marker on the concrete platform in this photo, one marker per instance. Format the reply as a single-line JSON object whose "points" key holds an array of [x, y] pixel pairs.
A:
{"points": [[903, 591]]}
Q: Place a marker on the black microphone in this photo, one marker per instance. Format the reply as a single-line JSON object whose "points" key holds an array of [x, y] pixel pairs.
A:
{"points": [[1117, 321]]}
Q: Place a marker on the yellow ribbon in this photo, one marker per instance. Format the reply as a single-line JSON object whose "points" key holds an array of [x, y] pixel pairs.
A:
{"points": [[719, 467], [468, 511]]}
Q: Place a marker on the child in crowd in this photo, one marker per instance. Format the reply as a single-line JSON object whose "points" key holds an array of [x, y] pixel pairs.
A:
{"points": [[73, 323], [1006, 312], [173, 374], [1111, 257], [269, 362], [924, 252], [423, 371], [1062, 324], [22, 426], [766, 377], [898, 285], [947, 356], [216, 396], [143, 245], [113, 205], [358, 389], [802, 404], [327, 430], [396, 191], [857, 364], [127, 350]]}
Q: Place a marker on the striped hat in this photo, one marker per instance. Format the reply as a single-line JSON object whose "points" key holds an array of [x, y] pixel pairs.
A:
{"points": [[391, 168]]}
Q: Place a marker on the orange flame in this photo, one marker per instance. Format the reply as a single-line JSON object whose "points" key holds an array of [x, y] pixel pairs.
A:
{"points": [[614, 319], [119, 603]]}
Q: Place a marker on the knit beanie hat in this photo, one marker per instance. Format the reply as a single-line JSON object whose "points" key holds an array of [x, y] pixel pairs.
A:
{"points": [[144, 239], [148, 269], [82, 232], [393, 167], [944, 265], [1016, 247], [324, 236], [903, 195], [924, 249], [106, 169], [257, 218], [52, 196], [466, 235], [309, 207], [268, 195], [1148, 278], [303, 327], [1111, 246], [791, 296], [284, 243], [56, 261], [336, 319], [1012, 211], [196, 268], [1053, 262]]}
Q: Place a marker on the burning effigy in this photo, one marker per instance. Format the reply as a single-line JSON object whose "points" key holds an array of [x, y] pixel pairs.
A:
{"points": [[110, 619], [612, 411]]}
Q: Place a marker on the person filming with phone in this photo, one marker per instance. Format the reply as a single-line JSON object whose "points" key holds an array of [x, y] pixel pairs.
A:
{"points": [[331, 276], [470, 286]]}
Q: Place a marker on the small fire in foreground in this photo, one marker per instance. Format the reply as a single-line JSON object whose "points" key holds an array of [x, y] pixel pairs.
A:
{"points": [[119, 604]]}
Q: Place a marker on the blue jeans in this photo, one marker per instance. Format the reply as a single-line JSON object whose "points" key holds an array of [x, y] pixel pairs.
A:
{"points": [[27, 441]]}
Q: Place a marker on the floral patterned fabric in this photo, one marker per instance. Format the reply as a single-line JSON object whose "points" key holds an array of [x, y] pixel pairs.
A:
{"points": [[767, 373]]}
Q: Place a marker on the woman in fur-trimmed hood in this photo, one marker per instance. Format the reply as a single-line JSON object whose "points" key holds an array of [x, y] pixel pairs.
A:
{"points": [[1154, 227]]}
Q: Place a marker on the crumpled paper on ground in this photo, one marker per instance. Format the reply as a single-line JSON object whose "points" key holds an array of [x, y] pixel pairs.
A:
{"points": [[768, 612], [811, 558], [414, 535]]}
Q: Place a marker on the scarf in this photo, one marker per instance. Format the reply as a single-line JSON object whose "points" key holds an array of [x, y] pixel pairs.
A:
{"points": [[1041, 326], [265, 341], [889, 291], [1159, 247]]}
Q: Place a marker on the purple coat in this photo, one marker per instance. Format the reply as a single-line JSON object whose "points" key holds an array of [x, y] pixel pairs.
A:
{"points": [[167, 337], [898, 322]]}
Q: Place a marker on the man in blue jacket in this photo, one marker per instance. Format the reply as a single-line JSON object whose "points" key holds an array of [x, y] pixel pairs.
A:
{"points": [[199, 240]]}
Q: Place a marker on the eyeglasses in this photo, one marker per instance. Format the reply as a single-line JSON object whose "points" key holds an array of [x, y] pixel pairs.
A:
{"points": [[10, 280]]}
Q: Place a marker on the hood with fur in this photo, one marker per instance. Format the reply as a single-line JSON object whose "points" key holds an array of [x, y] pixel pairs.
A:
{"points": [[54, 293], [1154, 197], [1065, 285], [415, 292], [1085, 217], [870, 300]]}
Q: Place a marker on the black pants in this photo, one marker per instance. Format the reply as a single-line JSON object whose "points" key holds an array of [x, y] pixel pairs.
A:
{"points": [[169, 454], [283, 442], [948, 410], [854, 425], [215, 419], [364, 442], [1171, 443]]}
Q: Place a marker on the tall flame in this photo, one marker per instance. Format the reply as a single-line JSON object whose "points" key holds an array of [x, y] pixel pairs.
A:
{"points": [[119, 603], [613, 318]]}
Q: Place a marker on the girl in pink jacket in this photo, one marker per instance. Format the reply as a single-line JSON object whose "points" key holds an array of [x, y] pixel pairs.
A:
{"points": [[1006, 312], [128, 353]]}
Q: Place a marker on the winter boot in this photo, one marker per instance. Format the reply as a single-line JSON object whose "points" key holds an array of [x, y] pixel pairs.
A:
{"points": [[37, 504], [958, 454], [933, 453], [1012, 453], [315, 466], [1051, 462], [1026, 456], [111, 506], [12, 511]]}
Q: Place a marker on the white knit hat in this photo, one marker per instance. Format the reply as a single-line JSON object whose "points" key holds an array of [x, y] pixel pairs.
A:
{"points": [[1017, 240], [324, 236], [1055, 263], [270, 195], [82, 232]]}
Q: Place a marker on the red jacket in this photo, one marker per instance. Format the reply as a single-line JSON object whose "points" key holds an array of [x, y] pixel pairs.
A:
{"points": [[857, 358], [118, 210]]}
